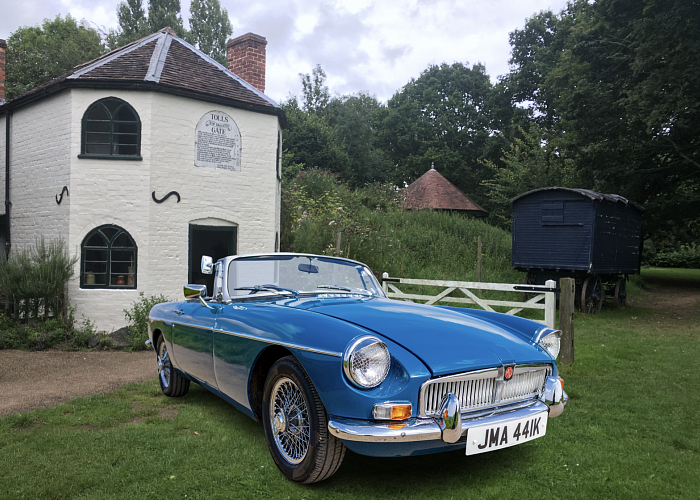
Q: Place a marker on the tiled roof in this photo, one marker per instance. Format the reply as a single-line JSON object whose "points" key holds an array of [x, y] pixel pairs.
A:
{"points": [[432, 190], [160, 62]]}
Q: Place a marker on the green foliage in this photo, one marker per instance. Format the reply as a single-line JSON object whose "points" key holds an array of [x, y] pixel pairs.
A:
{"points": [[137, 316], [210, 28], [447, 117], [209, 23], [613, 81], [35, 55], [315, 93], [530, 163], [34, 278], [377, 231], [43, 334], [687, 256]]}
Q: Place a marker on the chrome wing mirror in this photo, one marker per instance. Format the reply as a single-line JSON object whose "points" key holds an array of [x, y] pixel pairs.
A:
{"points": [[207, 264], [198, 292]]}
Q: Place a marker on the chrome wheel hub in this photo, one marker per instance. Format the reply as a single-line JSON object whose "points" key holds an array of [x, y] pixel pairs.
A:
{"points": [[289, 419], [164, 365]]}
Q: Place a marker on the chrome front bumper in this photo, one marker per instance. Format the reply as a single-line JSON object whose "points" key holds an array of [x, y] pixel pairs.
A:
{"points": [[452, 425]]}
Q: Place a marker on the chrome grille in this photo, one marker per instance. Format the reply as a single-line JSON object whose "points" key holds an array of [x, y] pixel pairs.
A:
{"points": [[484, 388]]}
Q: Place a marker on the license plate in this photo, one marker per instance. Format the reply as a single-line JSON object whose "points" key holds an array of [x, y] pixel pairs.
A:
{"points": [[485, 438]]}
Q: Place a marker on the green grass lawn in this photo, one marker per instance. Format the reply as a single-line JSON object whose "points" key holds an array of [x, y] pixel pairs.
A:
{"points": [[630, 431]]}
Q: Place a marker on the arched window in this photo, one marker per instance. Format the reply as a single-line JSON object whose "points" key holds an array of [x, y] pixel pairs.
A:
{"points": [[108, 259], [111, 130]]}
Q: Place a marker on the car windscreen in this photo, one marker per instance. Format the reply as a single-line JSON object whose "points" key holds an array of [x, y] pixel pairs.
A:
{"points": [[304, 274]]}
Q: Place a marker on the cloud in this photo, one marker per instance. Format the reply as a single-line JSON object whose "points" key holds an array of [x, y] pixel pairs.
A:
{"points": [[363, 45]]}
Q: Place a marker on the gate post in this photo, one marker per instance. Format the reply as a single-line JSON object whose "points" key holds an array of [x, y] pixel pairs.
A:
{"points": [[550, 303], [566, 319]]}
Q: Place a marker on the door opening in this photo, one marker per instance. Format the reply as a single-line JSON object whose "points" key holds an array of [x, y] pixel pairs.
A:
{"points": [[214, 241]]}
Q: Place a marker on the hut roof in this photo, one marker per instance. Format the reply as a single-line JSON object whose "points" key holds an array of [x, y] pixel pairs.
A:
{"points": [[432, 190]]}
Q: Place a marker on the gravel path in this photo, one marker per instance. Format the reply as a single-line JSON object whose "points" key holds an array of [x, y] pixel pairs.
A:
{"points": [[32, 380]]}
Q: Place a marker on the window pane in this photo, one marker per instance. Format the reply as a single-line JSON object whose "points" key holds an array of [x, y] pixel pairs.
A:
{"points": [[123, 241], [109, 232], [125, 150], [112, 105], [96, 138], [95, 255], [125, 114], [99, 112], [96, 240], [95, 126], [97, 149], [126, 139], [95, 267]]}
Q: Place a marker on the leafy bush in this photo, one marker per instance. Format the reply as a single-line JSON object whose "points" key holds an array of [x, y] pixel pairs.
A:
{"points": [[138, 319], [34, 278], [37, 335], [688, 257]]}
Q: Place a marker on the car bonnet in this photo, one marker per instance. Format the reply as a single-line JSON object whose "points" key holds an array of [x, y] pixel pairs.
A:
{"points": [[446, 341]]}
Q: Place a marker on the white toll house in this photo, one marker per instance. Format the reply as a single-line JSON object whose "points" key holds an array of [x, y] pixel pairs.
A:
{"points": [[142, 161]]}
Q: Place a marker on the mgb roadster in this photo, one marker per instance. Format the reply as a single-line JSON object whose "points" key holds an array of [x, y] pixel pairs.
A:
{"points": [[311, 346]]}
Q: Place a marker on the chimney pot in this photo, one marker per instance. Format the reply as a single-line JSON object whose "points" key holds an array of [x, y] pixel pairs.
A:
{"points": [[246, 58]]}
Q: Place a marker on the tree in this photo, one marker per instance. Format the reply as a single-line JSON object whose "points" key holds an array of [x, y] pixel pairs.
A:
{"points": [[210, 28], [36, 55], [315, 93], [618, 81], [445, 117], [164, 14]]}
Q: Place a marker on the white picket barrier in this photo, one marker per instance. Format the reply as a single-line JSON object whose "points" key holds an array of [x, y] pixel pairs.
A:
{"points": [[545, 299]]}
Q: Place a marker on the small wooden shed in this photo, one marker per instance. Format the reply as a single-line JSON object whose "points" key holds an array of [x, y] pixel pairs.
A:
{"points": [[592, 237], [432, 191]]}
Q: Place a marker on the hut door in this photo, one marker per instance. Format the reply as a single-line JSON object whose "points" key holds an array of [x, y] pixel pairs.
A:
{"points": [[214, 241]]}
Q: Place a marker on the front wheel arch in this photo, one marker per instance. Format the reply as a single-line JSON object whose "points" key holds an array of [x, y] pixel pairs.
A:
{"points": [[268, 357]]}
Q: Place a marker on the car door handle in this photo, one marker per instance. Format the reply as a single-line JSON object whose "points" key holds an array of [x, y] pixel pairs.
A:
{"points": [[179, 312]]}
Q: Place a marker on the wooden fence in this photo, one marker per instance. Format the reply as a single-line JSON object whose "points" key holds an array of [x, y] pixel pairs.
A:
{"points": [[545, 298]]}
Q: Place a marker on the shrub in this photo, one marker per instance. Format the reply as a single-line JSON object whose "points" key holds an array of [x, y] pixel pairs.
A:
{"points": [[37, 335], [138, 319], [688, 256], [34, 278]]}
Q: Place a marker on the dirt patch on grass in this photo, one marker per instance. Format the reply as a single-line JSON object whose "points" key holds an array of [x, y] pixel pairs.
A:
{"points": [[33, 380], [679, 297]]}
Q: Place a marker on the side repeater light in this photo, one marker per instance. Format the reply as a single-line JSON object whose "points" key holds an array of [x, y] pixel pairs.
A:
{"points": [[392, 411]]}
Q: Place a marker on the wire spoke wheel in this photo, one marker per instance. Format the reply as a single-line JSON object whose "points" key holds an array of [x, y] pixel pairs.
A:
{"points": [[592, 295], [289, 420], [164, 365]]}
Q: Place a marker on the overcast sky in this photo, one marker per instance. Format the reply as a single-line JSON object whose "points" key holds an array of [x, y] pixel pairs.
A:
{"points": [[363, 45]]}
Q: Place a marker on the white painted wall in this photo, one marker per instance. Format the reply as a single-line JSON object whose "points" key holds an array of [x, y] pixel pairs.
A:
{"points": [[119, 192], [39, 161]]}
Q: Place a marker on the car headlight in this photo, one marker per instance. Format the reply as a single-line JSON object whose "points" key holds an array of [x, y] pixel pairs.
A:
{"points": [[366, 362], [551, 341]]}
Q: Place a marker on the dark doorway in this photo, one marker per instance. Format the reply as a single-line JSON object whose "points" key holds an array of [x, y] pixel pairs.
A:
{"points": [[215, 241]]}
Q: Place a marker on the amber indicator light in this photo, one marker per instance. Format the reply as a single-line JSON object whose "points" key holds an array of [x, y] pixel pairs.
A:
{"points": [[400, 412]]}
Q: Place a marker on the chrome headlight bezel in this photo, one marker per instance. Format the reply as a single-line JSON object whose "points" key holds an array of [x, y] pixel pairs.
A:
{"points": [[351, 356], [550, 340]]}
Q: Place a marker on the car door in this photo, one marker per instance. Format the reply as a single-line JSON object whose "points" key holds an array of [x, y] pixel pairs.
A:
{"points": [[237, 345], [193, 329]]}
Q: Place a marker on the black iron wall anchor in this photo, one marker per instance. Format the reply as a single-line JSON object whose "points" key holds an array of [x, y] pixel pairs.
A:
{"points": [[171, 193], [65, 190]]}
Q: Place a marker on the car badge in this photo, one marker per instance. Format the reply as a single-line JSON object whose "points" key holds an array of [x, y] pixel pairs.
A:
{"points": [[508, 374]]}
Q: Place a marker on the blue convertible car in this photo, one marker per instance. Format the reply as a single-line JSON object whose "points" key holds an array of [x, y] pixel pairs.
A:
{"points": [[311, 346]]}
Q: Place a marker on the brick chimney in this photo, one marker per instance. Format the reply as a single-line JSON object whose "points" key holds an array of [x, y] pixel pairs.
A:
{"points": [[246, 58], [3, 50]]}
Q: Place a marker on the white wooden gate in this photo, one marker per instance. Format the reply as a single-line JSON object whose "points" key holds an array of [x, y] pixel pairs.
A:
{"points": [[544, 300]]}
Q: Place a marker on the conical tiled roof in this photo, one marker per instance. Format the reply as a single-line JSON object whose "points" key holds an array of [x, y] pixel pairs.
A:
{"points": [[160, 62], [432, 190]]}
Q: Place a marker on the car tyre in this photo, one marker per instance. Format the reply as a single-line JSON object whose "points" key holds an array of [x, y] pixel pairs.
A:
{"points": [[171, 382], [296, 425]]}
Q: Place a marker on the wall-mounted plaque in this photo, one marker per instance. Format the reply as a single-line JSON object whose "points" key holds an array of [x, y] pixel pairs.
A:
{"points": [[217, 142]]}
